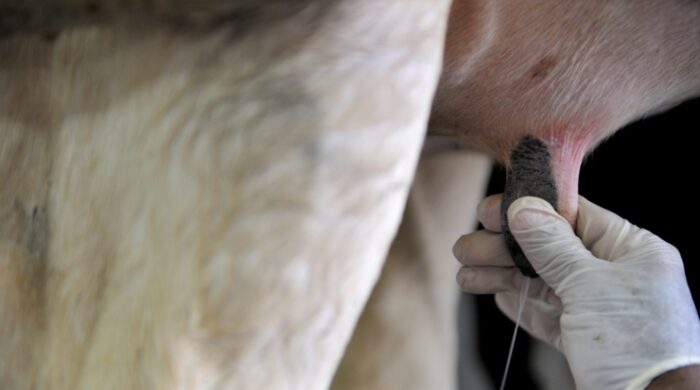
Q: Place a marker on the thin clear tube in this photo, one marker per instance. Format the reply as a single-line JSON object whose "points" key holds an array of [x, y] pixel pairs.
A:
{"points": [[521, 305]]}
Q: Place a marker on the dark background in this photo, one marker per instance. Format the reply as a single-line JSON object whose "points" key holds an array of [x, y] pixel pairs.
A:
{"points": [[645, 173]]}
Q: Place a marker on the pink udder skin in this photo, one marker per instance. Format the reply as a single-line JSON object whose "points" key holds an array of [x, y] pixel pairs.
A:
{"points": [[567, 156]]}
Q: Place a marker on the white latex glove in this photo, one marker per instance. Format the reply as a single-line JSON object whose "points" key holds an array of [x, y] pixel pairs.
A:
{"points": [[620, 310]]}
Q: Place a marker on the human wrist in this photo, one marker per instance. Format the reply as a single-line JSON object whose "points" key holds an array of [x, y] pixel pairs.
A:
{"points": [[681, 378], [643, 380]]}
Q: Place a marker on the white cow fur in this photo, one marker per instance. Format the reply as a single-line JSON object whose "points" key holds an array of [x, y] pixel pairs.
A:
{"points": [[206, 217]]}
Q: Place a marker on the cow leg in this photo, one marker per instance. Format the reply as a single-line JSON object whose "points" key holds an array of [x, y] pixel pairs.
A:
{"points": [[407, 335], [219, 203]]}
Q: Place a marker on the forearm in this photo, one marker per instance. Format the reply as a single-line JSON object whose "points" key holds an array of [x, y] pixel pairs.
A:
{"points": [[678, 379]]}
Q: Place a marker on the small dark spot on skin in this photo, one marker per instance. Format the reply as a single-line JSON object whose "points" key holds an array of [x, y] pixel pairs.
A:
{"points": [[50, 36], [37, 234], [543, 68], [93, 7]]}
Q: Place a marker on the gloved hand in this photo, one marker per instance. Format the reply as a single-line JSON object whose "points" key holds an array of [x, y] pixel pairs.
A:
{"points": [[615, 301]]}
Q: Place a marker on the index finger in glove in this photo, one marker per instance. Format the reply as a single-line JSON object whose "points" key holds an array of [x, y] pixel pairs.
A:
{"points": [[489, 213]]}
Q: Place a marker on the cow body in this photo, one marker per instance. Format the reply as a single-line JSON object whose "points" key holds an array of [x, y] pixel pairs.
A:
{"points": [[206, 201]]}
